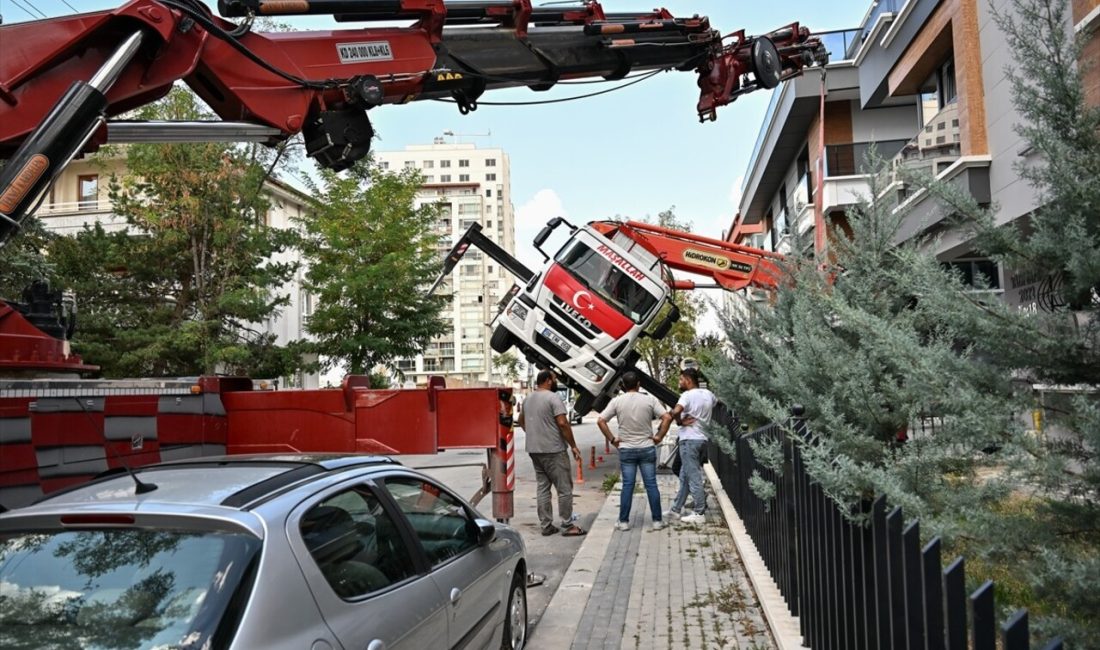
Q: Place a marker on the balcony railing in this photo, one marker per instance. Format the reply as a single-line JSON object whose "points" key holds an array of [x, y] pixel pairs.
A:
{"points": [[935, 148], [855, 158], [841, 44], [878, 7]]}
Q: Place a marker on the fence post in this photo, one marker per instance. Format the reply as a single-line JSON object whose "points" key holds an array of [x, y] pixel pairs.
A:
{"points": [[882, 579], [983, 618], [1014, 633], [792, 469], [954, 587], [933, 595], [914, 592]]}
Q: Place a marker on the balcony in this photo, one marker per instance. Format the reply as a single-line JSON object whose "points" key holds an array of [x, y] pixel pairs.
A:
{"points": [[840, 44], [933, 150], [70, 218], [878, 8]]}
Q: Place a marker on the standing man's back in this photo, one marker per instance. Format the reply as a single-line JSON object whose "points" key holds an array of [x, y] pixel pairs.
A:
{"points": [[549, 434]]}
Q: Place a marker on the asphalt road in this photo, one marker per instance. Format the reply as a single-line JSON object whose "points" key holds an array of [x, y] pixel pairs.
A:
{"points": [[548, 556]]}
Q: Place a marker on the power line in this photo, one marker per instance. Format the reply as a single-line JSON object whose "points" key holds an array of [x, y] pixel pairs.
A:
{"points": [[70, 6], [28, 11]]}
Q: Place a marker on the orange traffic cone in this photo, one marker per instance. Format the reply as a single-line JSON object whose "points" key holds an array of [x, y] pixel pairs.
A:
{"points": [[592, 463], [607, 446], [580, 471]]}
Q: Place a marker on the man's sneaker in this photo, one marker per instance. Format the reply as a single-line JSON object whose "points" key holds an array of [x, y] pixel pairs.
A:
{"points": [[694, 518], [622, 525], [658, 525], [550, 530], [671, 514]]}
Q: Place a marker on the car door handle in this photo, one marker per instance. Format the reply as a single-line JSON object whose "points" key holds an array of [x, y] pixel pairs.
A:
{"points": [[377, 644], [456, 595]]}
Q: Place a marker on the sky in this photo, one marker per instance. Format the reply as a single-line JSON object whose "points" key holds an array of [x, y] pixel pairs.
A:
{"points": [[627, 154]]}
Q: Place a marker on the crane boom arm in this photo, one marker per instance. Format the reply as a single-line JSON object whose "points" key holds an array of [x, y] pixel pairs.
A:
{"points": [[60, 79], [731, 266]]}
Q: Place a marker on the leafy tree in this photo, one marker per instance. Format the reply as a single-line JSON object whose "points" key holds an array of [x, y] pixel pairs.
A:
{"points": [[24, 259], [663, 358], [185, 289], [371, 255], [509, 365], [921, 387]]}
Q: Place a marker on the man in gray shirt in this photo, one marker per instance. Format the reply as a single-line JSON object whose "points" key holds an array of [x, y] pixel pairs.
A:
{"points": [[635, 412], [548, 433]]}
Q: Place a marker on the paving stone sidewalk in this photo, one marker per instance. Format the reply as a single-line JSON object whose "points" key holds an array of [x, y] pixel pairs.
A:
{"points": [[683, 587]]}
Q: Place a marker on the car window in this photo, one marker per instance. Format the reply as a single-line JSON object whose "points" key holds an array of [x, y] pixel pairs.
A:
{"points": [[440, 521], [355, 543], [123, 588]]}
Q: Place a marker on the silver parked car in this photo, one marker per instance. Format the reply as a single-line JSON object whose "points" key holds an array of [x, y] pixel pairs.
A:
{"points": [[302, 552]]}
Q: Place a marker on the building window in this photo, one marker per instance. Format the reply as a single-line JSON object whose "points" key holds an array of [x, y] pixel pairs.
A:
{"points": [[429, 179], [428, 164], [490, 177], [463, 163], [406, 365], [948, 89], [489, 224], [490, 162], [489, 193], [88, 191], [444, 163], [445, 178], [463, 178], [384, 164], [979, 274], [410, 164]]}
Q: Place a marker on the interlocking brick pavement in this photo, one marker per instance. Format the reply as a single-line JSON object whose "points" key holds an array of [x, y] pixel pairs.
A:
{"points": [[683, 587]]}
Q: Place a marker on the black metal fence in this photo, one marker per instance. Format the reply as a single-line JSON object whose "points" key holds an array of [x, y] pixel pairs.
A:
{"points": [[857, 587]]}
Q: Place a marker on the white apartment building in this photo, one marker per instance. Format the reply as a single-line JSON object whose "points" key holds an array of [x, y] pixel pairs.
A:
{"points": [[474, 186], [79, 197]]}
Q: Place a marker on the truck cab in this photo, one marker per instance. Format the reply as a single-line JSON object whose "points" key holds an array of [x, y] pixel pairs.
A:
{"points": [[584, 311]]}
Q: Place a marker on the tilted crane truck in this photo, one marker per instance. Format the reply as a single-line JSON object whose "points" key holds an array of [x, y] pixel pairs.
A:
{"points": [[66, 81], [585, 310]]}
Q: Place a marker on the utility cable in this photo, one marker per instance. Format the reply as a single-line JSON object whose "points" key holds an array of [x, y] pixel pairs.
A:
{"points": [[562, 100], [27, 11]]}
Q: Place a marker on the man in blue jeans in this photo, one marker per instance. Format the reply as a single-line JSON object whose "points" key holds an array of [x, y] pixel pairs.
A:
{"points": [[635, 412], [692, 412]]}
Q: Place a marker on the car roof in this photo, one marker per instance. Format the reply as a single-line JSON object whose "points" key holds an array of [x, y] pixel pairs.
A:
{"points": [[227, 481]]}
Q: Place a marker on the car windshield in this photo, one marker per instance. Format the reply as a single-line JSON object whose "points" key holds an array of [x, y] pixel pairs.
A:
{"points": [[123, 588], [609, 281]]}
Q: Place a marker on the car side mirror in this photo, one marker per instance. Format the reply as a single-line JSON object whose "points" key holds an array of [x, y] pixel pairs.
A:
{"points": [[486, 531]]}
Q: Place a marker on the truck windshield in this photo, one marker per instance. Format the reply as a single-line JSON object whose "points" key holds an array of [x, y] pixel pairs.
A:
{"points": [[609, 281]]}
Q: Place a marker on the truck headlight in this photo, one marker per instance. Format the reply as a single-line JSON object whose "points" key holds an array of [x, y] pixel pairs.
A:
{"points": [[517, 311], [595, 370]]}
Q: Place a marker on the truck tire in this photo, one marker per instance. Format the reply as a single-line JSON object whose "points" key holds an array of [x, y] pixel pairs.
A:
{"points": [[601, 403], [501, 341], [583, 404]]}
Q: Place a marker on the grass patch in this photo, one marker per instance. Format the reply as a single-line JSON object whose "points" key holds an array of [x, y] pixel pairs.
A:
{"points": [[609, 482]]}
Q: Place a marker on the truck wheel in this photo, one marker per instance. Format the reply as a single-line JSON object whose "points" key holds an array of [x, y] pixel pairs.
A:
{"points": [[583, 404], [501, 341], [601, 403]]}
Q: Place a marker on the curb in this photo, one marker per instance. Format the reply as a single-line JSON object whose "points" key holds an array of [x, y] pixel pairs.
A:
{"points": [[558, 625], [785, 627]]}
